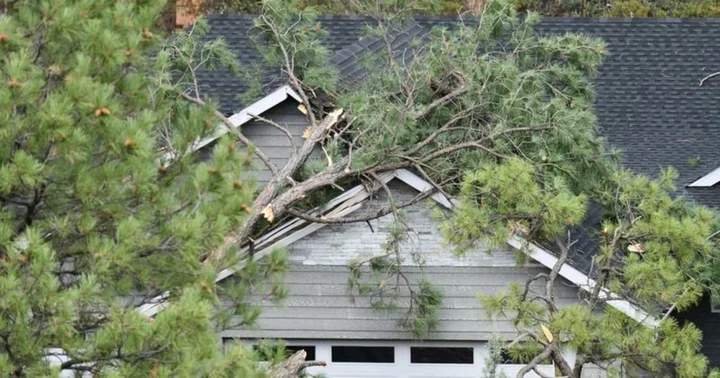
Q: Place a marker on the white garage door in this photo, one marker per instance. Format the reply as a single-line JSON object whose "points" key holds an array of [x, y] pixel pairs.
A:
{"points": [[383, 359]]}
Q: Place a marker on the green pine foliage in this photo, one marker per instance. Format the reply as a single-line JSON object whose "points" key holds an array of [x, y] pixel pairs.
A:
{"points": [[656, 251], [92, 219], [622, 8], [101, 209], [550, 8], [515, 140], [392, 289], [521, 115]]}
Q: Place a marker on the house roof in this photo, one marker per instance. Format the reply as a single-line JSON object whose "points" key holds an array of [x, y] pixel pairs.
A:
{"points": [[649, 101], [236, 30]]}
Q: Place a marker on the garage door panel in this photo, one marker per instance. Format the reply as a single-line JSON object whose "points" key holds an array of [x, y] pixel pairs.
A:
{"points": [[395, 359], [402, 367]]}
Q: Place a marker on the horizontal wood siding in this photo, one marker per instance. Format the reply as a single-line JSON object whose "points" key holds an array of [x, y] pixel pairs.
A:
{"points": [[273, 142], [338, 244], [318, 305]]}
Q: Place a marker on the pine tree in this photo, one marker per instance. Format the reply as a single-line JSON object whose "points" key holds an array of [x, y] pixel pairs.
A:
{"points": [[102, 210], [92, 221], [501, 118]]}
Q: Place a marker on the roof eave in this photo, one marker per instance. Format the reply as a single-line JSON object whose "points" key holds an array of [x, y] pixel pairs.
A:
{"points": [[258, 107], [708, 180]]}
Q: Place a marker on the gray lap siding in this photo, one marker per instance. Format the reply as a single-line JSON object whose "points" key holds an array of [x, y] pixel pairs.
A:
{"points": [[273, 142], [318, 305]]}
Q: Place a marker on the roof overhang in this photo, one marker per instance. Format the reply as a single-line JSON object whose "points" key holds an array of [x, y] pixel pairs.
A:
{"points": [[708, 180], [258, 107]]}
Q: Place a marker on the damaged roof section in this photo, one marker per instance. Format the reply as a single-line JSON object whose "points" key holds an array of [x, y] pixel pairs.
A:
{"points": [[649, 104], [649, 100]]}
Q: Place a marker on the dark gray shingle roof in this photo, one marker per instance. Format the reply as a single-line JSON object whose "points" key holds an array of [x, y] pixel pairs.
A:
{"points": [[236, 31], [649, 101]]}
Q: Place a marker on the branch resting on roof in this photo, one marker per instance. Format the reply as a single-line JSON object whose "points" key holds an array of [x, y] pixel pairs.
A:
{"points": [[361, 218], [264, 204]]}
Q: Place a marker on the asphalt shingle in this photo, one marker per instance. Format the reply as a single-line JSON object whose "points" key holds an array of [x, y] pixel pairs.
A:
{"points": [[649, 101], [236, 30]]}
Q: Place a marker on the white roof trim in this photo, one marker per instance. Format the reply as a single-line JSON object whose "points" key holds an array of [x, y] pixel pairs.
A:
{"points": [[708, 180], [342, 205], [238, 119], [582, 281], [352, 199], [545, 258]]}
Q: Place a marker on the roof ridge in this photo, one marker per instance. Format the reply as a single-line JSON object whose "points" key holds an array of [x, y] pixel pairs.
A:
{"points": [[644, 20], [343, 17], [232, 16]]}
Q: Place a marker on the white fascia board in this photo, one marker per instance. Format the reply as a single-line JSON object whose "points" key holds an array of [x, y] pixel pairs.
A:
{"points": [[708, 180], [422, 186], [546, 258], [582, 281], [238, 119]]}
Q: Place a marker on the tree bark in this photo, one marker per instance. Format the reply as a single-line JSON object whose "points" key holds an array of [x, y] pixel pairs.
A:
{"points": [[294, 366], [474, 6], [262, 205]]}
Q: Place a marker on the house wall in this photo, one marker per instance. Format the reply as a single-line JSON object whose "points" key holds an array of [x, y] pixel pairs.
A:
{"points": [[318, 305], [340, 243], [270, 140]]}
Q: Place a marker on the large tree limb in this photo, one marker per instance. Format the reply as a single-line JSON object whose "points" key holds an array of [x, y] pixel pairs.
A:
{"points": [[262, 205], [561, 363], [271, 204], [535, 361], [274, 207]]}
